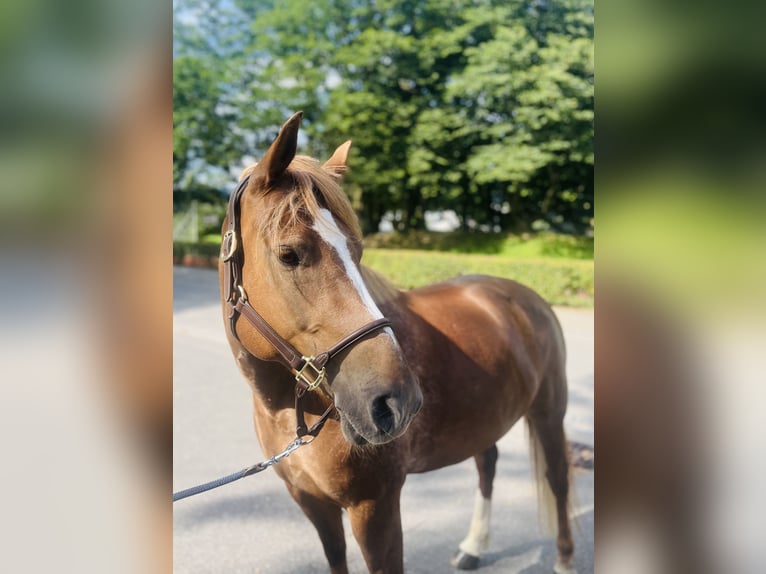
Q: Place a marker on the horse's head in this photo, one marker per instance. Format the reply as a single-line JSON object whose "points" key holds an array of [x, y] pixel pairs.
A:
{"points": [[301, 247]]}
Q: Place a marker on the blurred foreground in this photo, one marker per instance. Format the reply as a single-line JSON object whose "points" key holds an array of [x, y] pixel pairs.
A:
{"points": [[680, 310], [86, 286]]}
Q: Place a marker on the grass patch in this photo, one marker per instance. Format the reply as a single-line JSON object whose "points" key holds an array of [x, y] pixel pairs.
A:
{"points": [[560, 282]]}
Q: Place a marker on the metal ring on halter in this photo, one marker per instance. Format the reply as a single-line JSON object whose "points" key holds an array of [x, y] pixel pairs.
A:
{"points": [[232, 246], [242, 294], [318, 374]]}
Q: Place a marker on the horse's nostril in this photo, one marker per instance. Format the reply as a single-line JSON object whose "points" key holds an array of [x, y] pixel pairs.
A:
{"points": [[383, 412]]}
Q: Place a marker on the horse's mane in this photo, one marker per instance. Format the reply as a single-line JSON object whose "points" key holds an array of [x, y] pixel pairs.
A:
{"points": [[381, 289], [313, 189]]}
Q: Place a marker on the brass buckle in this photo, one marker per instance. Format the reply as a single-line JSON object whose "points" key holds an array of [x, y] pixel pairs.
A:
{"points": [[318, 374], [232, 246]]}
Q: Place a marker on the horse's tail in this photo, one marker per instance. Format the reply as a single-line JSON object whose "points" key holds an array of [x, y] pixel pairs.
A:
{"points": [[546, 501]]}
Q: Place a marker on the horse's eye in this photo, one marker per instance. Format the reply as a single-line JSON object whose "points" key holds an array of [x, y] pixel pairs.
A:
{"points": [[288, 256]]}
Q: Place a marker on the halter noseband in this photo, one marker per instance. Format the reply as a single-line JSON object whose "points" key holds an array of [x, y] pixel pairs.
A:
{"points": [[309, 371]]}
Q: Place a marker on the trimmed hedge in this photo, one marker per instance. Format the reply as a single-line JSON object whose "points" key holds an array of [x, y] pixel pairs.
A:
{"points": [[525, 246], [196, 254], [559, 281]]}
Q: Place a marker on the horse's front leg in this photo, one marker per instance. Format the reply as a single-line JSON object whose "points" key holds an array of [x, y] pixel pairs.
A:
{"points": [[327, 519], [377, 527]]}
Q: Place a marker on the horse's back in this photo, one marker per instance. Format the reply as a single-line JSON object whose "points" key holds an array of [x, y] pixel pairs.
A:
{"points": [[493, 301]]}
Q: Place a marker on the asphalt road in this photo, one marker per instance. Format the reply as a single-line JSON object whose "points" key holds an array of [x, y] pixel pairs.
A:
{"points": [[253, 526]]}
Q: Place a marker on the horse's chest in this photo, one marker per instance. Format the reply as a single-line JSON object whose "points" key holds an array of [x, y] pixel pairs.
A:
{"points": [[318, 477], [328, 470]]}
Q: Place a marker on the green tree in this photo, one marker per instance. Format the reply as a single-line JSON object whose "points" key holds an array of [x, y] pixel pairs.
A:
{"points": [[516, 125], [201, 136], [484, 107], [395, 70], [210, 121]]}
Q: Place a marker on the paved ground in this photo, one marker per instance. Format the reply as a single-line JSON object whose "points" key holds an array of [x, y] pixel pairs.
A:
{"points": [[253, 526]]}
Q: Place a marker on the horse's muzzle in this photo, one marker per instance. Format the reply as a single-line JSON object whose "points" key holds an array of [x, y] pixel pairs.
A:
{"points": [[389, 416]]}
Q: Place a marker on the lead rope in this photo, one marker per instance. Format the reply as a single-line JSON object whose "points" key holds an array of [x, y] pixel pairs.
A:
{"points": [[256, 468], [301, 432]]}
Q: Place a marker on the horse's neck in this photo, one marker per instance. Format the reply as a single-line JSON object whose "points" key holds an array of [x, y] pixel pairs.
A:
{"points": [[394, 307]]}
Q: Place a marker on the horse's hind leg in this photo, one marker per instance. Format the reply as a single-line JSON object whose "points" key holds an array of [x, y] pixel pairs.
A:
{"points": [[547, 433], [327, 519], [467, 556]]}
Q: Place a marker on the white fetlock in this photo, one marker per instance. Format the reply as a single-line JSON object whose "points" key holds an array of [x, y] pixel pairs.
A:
{"points": [[561, 568], [477, 539]]}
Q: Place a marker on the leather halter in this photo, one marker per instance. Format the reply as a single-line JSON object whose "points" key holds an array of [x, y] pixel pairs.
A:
{"points": [[309, 371]]}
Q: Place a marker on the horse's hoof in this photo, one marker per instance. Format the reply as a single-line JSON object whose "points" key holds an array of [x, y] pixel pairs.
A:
{"points": [[561, 568], [464, 561]]}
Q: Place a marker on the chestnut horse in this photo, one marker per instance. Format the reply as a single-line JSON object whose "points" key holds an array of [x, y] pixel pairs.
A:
{"points": [[449, 373]]}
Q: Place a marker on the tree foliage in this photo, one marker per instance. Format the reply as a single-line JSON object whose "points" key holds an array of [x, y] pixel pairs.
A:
{"points": [[483, 107]]}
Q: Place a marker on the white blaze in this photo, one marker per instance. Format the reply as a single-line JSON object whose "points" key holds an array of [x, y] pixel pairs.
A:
{"points": [[328, 230]]}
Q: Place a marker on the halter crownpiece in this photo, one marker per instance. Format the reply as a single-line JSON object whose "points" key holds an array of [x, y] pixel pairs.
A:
{"points": [[309, 371]]}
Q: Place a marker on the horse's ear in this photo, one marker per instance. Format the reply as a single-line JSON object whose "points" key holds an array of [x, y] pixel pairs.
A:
{"points": [[336, 165], [282, 151]]}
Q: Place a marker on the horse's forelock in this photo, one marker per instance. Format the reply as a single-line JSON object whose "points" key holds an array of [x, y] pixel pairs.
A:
{"points": [[313, 189]]}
